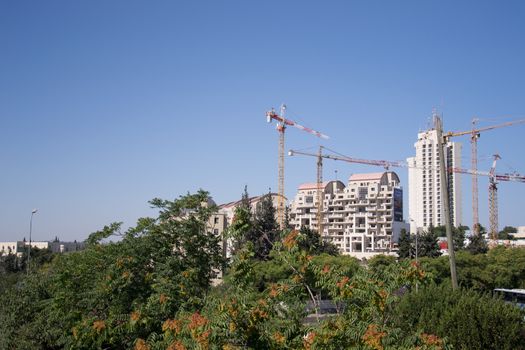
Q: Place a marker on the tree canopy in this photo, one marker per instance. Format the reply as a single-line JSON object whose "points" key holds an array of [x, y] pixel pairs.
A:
{"points": [[152, 290]]}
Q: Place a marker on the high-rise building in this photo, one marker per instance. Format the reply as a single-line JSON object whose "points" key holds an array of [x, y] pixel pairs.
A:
{"points": [[363, 218], [425, 205]]}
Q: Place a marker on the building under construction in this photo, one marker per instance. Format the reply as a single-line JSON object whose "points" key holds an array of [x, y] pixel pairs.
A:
{"points": [[363, 218]]}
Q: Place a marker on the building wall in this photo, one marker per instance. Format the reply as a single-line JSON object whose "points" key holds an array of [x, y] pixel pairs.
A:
{"points": [[424, 191], [357, 218]]}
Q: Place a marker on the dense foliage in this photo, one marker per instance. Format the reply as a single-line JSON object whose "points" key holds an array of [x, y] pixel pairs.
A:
{"points": [[501, 267], [467, 319], [13, 267], [110, 295], [152, 290]]}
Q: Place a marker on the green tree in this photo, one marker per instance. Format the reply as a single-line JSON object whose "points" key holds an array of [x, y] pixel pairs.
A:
{"points": [[113, 294], [287, 225], [477, 244], [428, 245], [242, 226], [309, 241], [439, 231], [404, 245], [467, 319], [506, 233], [265, 231], [458, 236]]}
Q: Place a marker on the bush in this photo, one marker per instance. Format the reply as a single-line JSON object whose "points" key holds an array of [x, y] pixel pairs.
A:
{"points": [[501, 267], [467, 319]]}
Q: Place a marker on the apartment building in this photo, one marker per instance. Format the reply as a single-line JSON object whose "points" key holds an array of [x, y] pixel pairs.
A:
{"points": [[363, 218], [424, 189]]}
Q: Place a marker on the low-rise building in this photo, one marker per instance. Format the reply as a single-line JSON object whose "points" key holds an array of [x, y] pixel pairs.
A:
{"points": [[16, 247], [19, 247]]}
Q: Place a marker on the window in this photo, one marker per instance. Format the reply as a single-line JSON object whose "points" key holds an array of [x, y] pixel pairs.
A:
{"points": [[216, 220], [309, 199]]}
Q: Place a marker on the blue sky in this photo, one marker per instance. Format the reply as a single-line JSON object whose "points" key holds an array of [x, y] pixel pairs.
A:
{"points": [[105, 105]]}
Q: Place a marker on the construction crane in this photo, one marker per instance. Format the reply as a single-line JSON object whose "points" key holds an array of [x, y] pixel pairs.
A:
{"points": [[474, 136], [282, 124], [493, 200], [493, 177], [320, 193], [383, 163]]}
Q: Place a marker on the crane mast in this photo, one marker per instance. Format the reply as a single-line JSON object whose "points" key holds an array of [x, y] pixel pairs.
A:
{"points": [[281, 127], [474, 166], [320, 193], [493, 200], [474, 136], [282, 124]]}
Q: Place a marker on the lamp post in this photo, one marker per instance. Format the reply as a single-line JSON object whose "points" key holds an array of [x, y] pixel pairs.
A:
{"points": [[417, 245], [33, 212], [417, 233], [417, 263]]}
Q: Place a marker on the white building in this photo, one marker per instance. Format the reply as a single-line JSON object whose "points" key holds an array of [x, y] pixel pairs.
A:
{"points": [[20, 247], [425, 206], [16, 248], [362, 219], [520, 234]]}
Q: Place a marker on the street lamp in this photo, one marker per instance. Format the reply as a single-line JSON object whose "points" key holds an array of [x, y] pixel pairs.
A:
{"points": [[33, 212]]}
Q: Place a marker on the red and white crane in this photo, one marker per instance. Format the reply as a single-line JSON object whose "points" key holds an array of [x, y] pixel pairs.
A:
{"points": [[282, 124]]}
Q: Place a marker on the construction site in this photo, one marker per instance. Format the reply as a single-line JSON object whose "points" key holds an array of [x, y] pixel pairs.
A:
{"points": [[365, 215]]}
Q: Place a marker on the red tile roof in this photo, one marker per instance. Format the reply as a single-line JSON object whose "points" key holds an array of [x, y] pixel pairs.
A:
{"points": [[311, 186], [366, 177]]}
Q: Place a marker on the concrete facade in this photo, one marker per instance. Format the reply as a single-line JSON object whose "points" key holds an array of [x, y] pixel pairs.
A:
{"points": [[424, 189], [363, 218]]}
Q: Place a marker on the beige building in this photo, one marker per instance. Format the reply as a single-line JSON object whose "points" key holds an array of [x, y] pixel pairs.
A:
{"points": [[363, 218], [220, 221]]}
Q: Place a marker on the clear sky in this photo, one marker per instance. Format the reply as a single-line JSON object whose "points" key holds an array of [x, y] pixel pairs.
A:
{"points": [[105, 105]]}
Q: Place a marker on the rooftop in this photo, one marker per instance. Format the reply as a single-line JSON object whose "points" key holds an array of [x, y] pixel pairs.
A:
{"points": [[366, 177], [311, 186]]}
